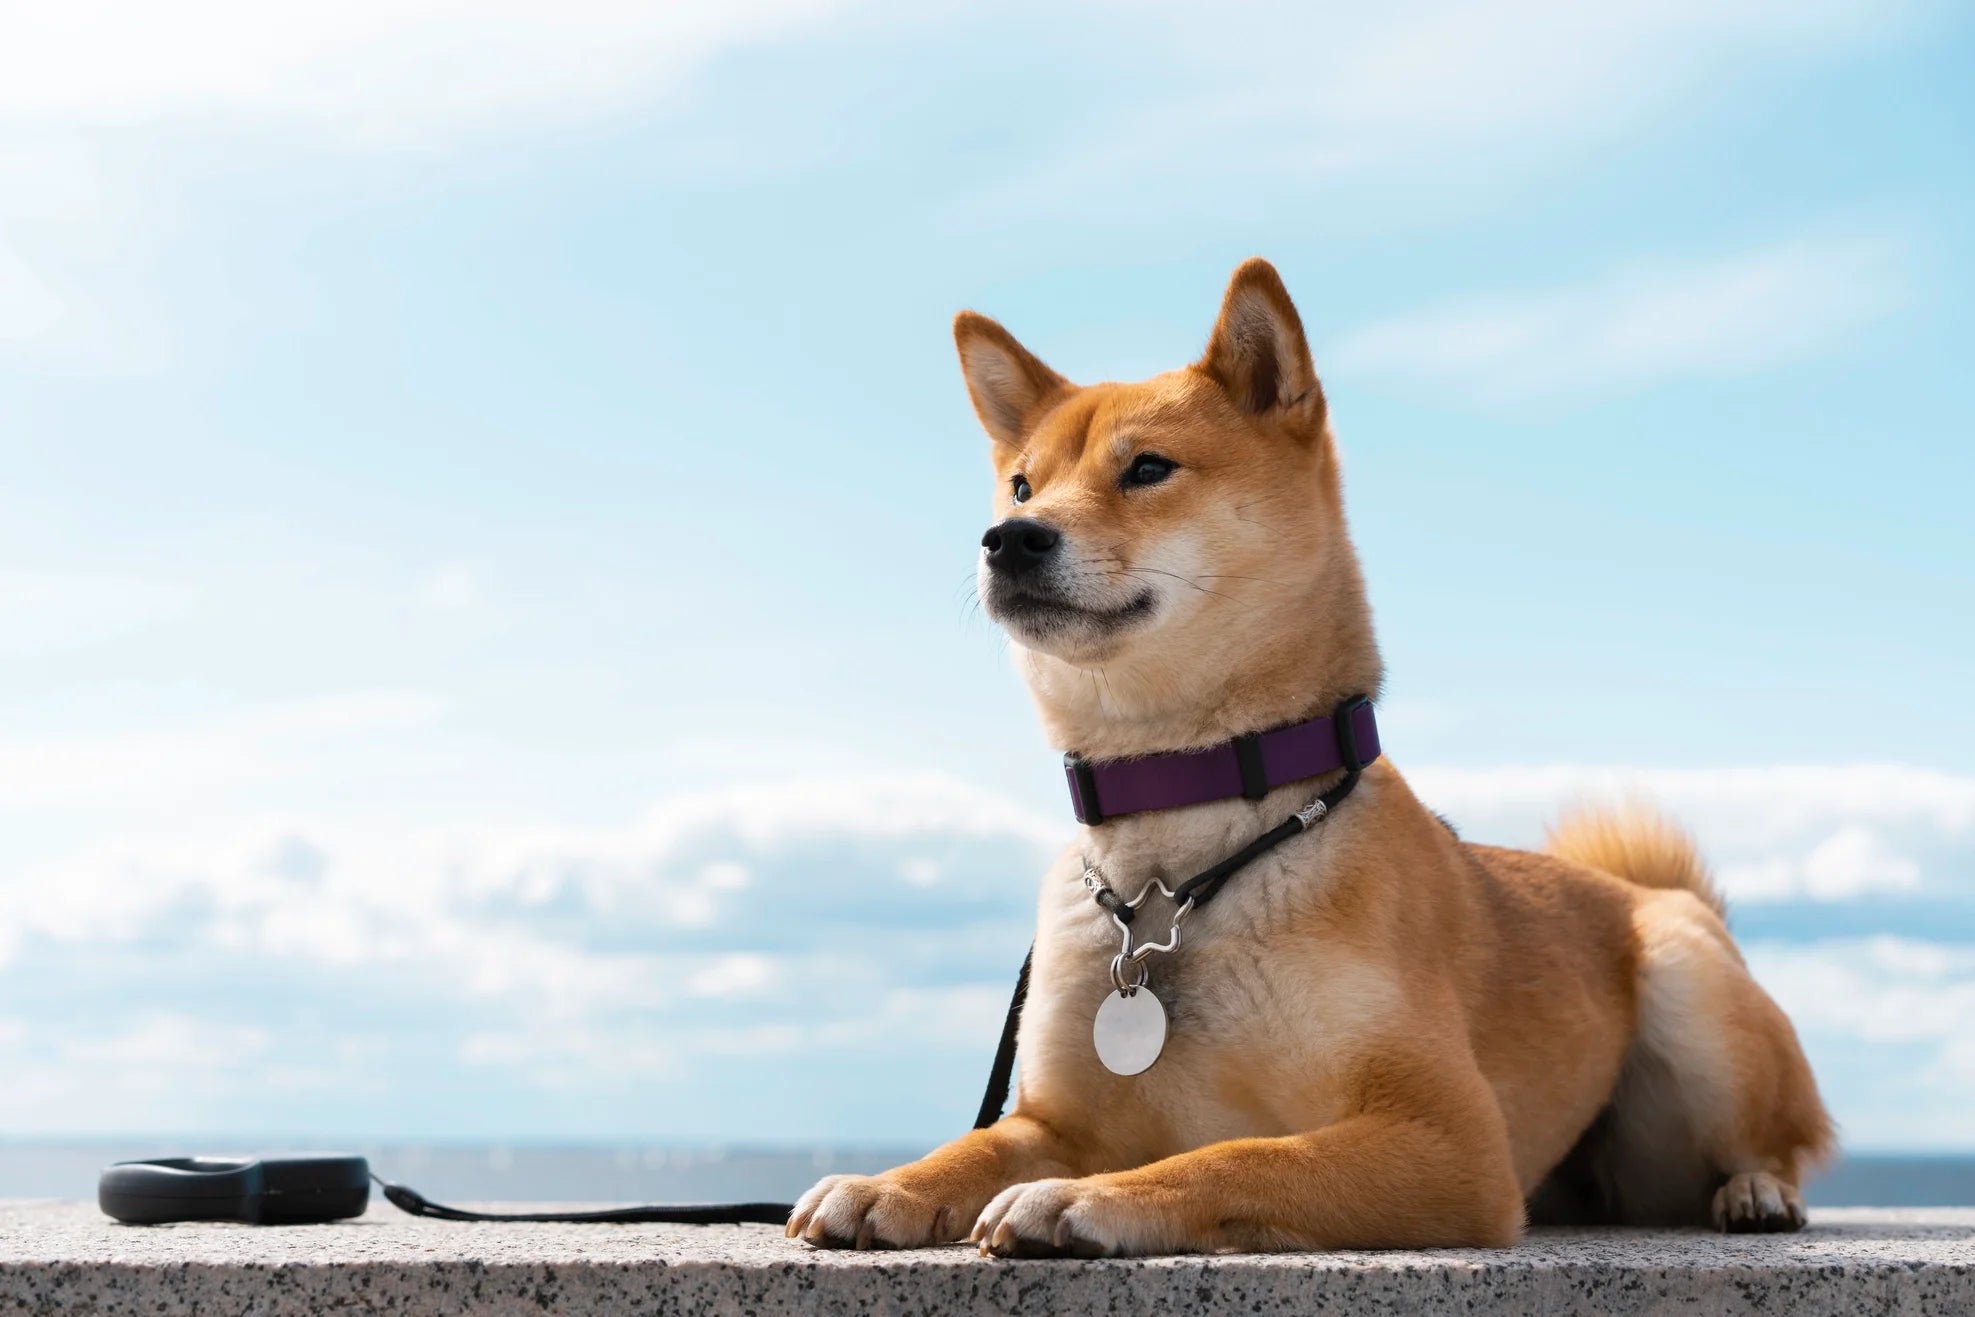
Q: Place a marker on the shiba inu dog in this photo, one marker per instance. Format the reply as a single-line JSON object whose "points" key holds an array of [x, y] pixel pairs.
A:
{"points": [[1380, 1035]]}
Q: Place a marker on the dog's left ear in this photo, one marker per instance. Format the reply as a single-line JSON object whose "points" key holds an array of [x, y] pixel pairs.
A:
{"points": [[1258, 353]]}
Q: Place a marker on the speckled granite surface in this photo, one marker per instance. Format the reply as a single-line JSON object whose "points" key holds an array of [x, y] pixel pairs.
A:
{"points": [[65, 1258]]}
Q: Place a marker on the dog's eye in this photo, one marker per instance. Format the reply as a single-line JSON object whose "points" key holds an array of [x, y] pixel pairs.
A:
{"points": [[1019, 488], [1148, 469]]}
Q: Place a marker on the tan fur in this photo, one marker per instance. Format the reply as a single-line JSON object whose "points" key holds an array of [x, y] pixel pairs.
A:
{"points": [[1380, 1035], [1639, 846]]}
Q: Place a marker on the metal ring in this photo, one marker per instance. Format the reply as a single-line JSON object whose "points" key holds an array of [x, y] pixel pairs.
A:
{"points": [[1118, 976]]}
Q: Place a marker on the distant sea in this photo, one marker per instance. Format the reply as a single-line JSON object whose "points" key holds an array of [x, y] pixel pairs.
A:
{"points": [[637, 1174]]}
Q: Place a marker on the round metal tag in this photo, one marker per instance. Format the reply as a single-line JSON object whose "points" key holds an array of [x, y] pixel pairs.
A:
{"points": [[1130, 1031]]}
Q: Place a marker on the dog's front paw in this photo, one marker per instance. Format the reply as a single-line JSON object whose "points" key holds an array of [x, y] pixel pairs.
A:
{"points": [[871, 1211], [1067, 1219]]}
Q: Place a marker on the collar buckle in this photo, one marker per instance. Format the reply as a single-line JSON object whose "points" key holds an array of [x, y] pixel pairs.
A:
{"points": [[1248, 758], [1344, 722], [1083, 789]]}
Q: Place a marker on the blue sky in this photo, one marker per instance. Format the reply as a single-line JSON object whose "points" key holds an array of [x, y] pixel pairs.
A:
{"points": [[438, 695]]}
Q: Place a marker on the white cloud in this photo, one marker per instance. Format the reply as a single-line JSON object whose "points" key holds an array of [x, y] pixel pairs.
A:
{"points": [[470, 906], [1773, 834], [170, 1040], [164, 766], [726, 928], [921, 872], [1416, 91], [810, 927], [725, 876], [744, 974], [53, 612], [1639, 325], [31, 307], [1889, 1024], [1422, 90], [59, 242], [569, 1058], [1439, 75], [1783, 797], [163, 1069], [1856, 860], [365, 70], [1879, 990], [898, 1023], [81, 230], [922, 1016], [1459, 72], [453, 587]]}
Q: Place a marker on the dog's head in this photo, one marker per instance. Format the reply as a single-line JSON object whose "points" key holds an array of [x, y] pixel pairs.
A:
{"points": [[1165, 532]]}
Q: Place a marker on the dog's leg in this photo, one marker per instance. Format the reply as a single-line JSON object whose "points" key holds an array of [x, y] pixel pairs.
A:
{"points": [[935, 1199], [1432, 1174], [1779, 1130], [1718, 1115]]}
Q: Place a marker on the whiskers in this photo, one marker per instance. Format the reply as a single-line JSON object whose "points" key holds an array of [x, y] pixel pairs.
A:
{"points": [[1099, 677], [968, 597], [1232, 576], [1140, 573]]}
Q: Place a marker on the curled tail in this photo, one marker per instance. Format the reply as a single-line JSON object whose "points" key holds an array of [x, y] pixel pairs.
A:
{"points": [[1638, 845]]}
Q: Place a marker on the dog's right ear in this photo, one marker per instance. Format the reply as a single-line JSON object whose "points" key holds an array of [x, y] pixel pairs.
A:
{"points": [[1007, 382]]}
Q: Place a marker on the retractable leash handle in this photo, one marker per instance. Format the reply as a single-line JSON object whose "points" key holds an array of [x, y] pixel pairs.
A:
{"points": [[303, 1190]]}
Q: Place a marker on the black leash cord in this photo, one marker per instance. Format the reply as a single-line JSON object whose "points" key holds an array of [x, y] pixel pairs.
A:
{"points": [[1205, 885], [685, 1214], [1003, 1073], [1200, 889]]}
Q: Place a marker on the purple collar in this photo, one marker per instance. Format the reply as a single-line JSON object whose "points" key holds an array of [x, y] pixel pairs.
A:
{"points": [[1248, 766]]}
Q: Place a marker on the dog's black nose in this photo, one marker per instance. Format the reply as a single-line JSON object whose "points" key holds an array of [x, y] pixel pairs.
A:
{"points": [[1019, 545]]}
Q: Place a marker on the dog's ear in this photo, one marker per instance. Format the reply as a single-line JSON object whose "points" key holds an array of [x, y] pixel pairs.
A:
{"points": [[1258, 353], [1007, 382]]}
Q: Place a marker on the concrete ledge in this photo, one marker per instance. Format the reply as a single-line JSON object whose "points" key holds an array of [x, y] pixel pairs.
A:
{"points": [[65, 1258]]}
